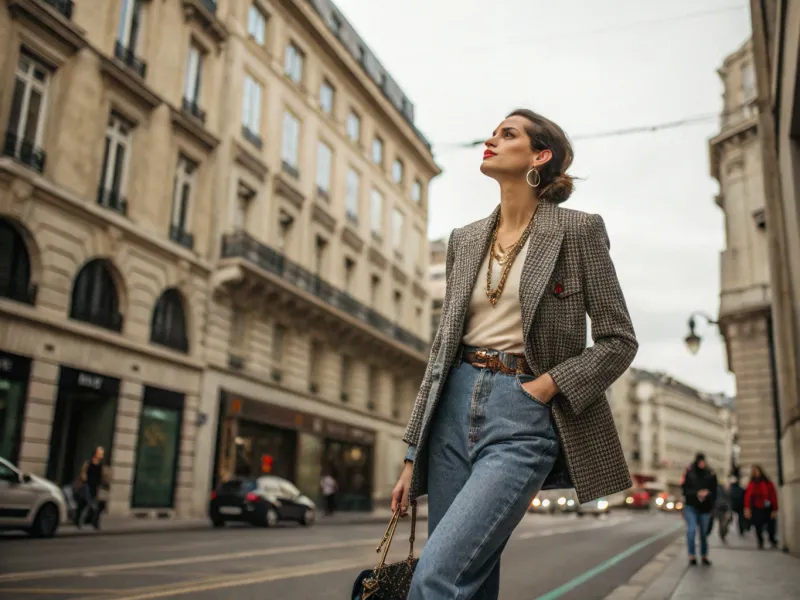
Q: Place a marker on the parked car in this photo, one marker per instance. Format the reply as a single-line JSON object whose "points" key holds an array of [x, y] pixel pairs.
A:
{"points": [[595, 507], [29, 503], [262, 501], [638, 499], [567, 503], [542, 505]]}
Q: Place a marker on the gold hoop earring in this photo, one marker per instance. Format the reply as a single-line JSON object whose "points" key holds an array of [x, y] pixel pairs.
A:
{"points": [[538, 179]]}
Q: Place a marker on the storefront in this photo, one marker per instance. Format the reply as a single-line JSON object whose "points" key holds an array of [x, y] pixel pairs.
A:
{"points": [[14, 373], [157, 449], [255, 437], [85, 418]]}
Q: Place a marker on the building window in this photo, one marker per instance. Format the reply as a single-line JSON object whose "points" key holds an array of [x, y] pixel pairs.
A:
{"points": [[374, 290], [315, 356], [320, 247], [278, 346], [15, 265], [241, 206], [398, 225], [192, 82], [351, 197], [345, 378], [114, 177], [181, 202], [416, 191], [26, 120], [293, 63], [251, 110], [397, 388], [327, 94], [376, 212], [353, 127], [285, 226], [397, 171], [415, 243], [257, 25], [130, 25], [373, 387], [377, 151], [290, 143], [324, 167], [349, 273], [398, 306], [169, 322], [94, 296], [748, 81]]}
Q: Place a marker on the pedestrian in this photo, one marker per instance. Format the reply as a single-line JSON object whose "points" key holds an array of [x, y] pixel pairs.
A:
{"points": [[736, 494], [511, 394], [761, 506], [699, 491], [722, 512], [329, 487], [92, 481]]}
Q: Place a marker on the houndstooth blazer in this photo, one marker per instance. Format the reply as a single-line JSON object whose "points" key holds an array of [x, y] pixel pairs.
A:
{"points": [[567, 274]]}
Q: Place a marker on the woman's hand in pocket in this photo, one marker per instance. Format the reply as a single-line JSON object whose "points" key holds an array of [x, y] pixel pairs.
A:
{"points": [[543, 388], [400, 492]]}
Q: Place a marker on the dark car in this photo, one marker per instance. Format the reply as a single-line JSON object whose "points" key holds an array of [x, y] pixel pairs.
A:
{"points": [[263, 501]]}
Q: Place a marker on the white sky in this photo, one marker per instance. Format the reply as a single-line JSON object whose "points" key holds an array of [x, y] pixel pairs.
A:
{"points": [[592, 66]]}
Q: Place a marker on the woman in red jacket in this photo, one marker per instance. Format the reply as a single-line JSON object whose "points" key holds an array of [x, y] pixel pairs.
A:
{"points": [[761, 505]]}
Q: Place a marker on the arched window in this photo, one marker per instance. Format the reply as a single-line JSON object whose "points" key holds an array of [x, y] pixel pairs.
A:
{"points": [[169, 322], [94, 296], [15, 265]]}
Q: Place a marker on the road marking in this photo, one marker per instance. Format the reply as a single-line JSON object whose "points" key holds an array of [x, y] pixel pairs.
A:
{"points": [[58, 591], [604, 566], [574, 528]]}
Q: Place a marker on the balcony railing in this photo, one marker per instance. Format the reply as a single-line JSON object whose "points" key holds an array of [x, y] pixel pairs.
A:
{"points": [[62, 6], [129, 58], [113, 200], [181, 236], [191, 107], [241, 245], [25, 151]]}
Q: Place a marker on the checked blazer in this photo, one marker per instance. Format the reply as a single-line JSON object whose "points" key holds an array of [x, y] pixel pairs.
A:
{"points": [[566, 275]]}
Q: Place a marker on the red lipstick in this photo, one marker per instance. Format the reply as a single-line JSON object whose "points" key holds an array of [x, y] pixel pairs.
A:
{"points": [[488, 154]]}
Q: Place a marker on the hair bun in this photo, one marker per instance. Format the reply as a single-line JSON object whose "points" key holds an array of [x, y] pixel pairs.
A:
{"points": [[558, 190]]}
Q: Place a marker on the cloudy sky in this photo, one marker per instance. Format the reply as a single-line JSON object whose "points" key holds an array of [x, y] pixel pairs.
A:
{"points": [[593, 67]]}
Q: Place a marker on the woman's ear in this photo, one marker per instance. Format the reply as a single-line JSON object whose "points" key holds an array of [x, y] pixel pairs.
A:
{"points": [[542, 158]]}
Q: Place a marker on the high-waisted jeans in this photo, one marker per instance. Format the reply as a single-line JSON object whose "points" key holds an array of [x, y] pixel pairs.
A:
{"points": [[491, 446]]}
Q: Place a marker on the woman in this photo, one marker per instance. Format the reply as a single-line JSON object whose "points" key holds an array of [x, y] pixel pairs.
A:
{"points": [[512, 400], [700, 496], [761, 505]]}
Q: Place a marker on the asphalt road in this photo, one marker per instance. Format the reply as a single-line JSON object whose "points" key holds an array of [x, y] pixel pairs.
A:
{"points": [[548, 558]]}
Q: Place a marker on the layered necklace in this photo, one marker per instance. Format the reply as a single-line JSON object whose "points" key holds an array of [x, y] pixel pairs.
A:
{"points": [[505, 258]]}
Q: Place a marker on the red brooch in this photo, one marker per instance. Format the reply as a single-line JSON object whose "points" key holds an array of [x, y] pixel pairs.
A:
{"points": [[558, 289]]}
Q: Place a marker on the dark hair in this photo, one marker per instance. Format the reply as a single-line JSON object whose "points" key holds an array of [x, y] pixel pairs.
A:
{"points": [[556, 186], [763, 474]]}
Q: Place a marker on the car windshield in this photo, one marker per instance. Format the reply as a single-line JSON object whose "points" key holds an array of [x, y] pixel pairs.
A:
{"points": [[240, 486]]}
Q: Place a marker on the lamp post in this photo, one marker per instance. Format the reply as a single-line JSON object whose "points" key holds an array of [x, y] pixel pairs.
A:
{"points": [[693, 340]]}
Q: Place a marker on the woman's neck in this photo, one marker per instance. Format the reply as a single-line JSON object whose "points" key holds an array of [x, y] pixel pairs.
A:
{"points": [[518, 202]]}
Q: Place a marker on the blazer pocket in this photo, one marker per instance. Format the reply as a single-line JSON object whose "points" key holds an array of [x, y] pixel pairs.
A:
{"points": [[567, 287]]}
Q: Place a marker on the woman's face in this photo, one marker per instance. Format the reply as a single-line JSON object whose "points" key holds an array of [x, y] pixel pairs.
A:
{"points": [[508, 153], [755, 472]]}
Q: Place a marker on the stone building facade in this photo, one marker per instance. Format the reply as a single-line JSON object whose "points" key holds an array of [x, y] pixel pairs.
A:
{"points": [[437, 280], [745, 295], [187, 277], [663, 423]]}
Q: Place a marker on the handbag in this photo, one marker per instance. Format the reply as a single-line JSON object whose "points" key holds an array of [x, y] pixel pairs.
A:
{"points": [[393, 581]]}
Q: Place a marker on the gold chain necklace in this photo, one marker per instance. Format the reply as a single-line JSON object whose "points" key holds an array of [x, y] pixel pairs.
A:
{"points": [[505, 260]]}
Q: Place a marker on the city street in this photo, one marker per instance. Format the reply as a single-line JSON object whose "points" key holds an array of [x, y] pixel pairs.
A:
{"points": [[559, 556]]}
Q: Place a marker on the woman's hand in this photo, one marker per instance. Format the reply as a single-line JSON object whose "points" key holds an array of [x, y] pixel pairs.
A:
{"points": [[400, 492], [542, 388], [748, 514]]}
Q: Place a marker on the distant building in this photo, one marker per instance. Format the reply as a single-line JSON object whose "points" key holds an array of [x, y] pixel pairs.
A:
{"points": [[436, 280], [745, 295], [663, 423]]}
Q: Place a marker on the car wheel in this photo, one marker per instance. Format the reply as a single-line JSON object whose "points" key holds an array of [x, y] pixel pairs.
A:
{"points": [[217, 522], [46, 522], [309, 517], [272, 518]]}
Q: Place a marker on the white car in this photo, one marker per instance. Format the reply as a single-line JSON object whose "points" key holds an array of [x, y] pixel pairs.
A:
{"points": [[595, 507], [29, 503]]}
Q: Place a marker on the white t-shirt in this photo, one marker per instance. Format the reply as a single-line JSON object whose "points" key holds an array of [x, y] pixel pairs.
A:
{"points": [[329, 485]]}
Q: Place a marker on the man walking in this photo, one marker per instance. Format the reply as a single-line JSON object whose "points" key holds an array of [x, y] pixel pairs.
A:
{"points": [[699, 491], [93, 476]]}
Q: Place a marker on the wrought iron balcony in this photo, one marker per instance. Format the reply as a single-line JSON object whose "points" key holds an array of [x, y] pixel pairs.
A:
{"points": [[181, 236], [62, 6], [191, 107], [113, 200], [251, 137], [241, 245], [25, 151], [129, 59]]}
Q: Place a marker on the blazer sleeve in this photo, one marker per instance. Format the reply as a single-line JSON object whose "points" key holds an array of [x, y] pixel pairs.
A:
{"points": [[584, 378], [412, 432]]}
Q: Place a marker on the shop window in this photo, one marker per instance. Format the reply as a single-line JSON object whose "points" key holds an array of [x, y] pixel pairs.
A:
{"points": [[94, 296], [169, 322], [15, 265], [14, 372]]}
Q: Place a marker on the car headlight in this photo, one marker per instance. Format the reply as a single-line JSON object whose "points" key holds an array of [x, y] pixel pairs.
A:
{"points": [[545, 502], [670, 505], [562, 501], [570, 502], [536, 502], [602, 505], [659, 501], [629, 500], [679, 506]]}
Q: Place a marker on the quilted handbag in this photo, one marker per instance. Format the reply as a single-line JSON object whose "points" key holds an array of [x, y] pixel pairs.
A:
{"points": [[393, 581]]}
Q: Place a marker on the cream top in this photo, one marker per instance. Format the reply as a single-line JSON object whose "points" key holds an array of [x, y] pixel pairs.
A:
{"points": [[499, 326]]}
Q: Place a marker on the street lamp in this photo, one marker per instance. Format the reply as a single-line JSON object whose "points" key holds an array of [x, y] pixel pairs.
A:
{"points": [[693, 340]]}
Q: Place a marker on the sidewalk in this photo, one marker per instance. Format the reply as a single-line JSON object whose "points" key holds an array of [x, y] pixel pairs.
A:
{"points": [[117, 525], [739, 571]]}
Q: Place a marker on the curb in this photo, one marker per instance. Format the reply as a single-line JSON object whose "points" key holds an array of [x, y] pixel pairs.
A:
{"points": [[657, 579]]}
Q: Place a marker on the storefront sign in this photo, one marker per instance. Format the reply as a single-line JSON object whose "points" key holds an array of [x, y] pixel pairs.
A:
{"points": [[13, 367], [85, 380]]}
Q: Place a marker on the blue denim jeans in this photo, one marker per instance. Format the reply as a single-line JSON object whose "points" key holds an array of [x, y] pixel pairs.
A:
{"points": [[490, 448], [696, 522]]}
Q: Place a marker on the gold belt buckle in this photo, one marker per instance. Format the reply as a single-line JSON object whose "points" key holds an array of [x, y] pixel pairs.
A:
{"points": [[489, 360]]}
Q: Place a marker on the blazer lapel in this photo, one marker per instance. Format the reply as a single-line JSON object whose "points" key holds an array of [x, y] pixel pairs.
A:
{"points": [[543, 249]]}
